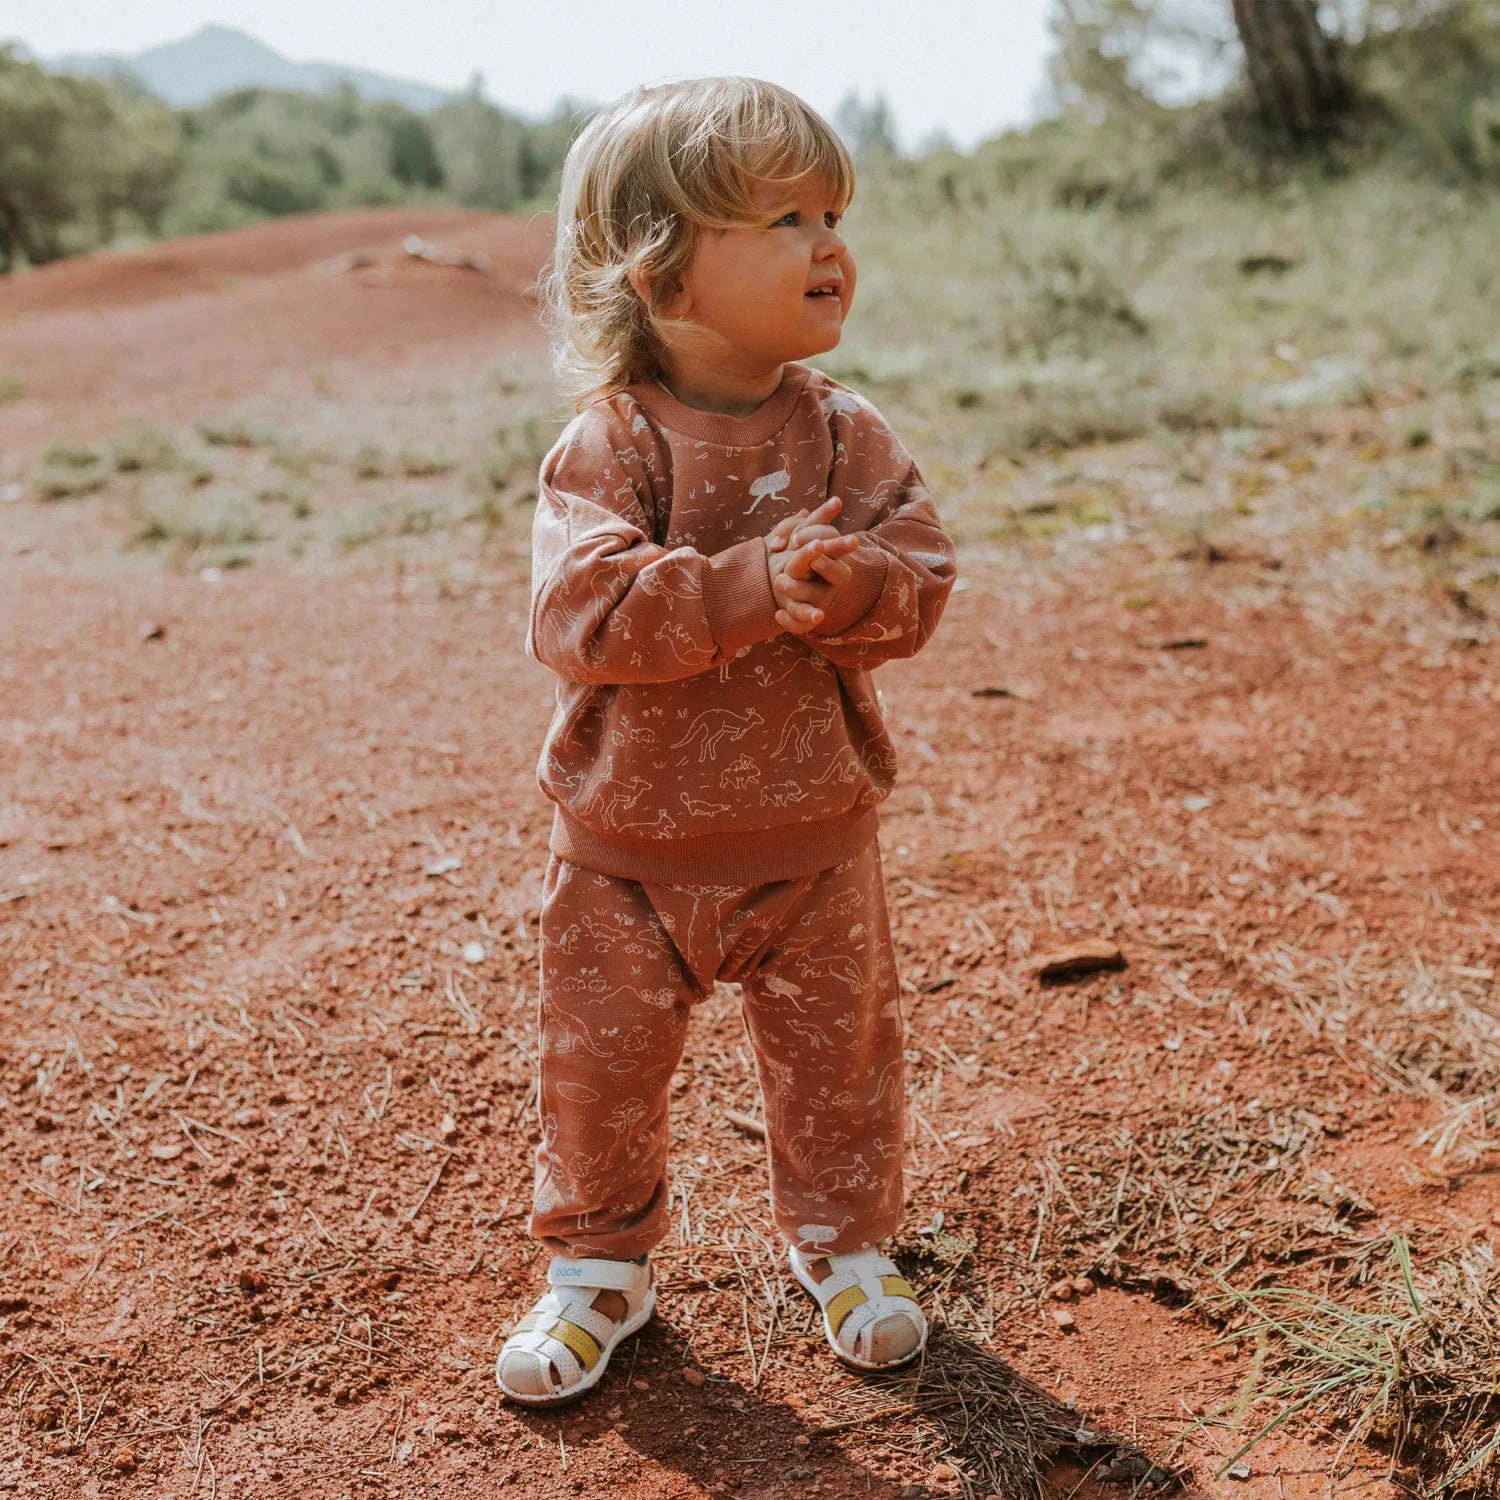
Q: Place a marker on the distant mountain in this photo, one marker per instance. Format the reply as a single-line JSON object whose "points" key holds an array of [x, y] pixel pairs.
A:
{"points": [[218, 58]]}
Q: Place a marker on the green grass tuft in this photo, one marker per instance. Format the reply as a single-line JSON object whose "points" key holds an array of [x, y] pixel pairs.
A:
{"points": [[142, 448], [68, 470], [1410, 1365], [188, 523], [236, 432]]}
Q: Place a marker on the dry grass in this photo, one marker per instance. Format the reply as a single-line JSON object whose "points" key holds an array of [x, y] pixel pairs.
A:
{"points": [[277, 483], [1440, 1039], [1409, 1366], [1231, 1213], [1431, 1031], [964, 1406], [186, 524], [69, 470], [371, 461], [236, 431], [1104, 293], [1184, 1203]]}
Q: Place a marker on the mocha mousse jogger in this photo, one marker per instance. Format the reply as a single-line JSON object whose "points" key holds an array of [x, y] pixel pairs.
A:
{"points": [[623, 963]]}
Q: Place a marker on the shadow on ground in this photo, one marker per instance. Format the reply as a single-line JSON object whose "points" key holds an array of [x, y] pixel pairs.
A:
{"points": [[983, 1428]]}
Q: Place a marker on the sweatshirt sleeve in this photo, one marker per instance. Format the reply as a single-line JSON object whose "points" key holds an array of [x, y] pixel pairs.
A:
{"points": [[608, 605], [904, 569]]}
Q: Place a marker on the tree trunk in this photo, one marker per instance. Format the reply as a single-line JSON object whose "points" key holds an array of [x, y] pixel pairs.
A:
{"points": [[1296, 69], [17, 236]]}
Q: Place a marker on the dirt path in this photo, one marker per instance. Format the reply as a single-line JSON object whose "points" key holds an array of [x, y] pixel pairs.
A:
{"points": [[270, 853]]}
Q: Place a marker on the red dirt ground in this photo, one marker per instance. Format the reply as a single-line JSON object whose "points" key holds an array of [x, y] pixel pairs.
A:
{"points": [[187, 325], [269, 1130]]}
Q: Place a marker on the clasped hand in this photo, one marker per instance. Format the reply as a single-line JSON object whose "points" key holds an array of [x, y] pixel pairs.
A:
{"points": [[806, 557]]}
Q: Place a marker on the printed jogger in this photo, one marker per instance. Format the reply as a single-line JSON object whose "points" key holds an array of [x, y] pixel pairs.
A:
{"points": [[622, 964]]}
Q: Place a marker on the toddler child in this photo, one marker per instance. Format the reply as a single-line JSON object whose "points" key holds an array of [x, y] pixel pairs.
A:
{"points": [[726, 543]]}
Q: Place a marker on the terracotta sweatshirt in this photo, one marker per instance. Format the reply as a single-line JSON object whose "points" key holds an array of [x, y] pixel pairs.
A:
{"points": [[695, 741]]}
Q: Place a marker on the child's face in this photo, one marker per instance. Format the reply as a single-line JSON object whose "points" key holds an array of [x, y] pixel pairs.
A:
{"points": [[775, 290]]}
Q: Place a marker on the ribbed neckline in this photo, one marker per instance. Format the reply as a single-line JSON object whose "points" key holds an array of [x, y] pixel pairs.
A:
{"points": [[718, 427]]}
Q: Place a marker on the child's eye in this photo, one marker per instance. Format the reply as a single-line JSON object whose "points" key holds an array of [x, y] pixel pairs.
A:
{"points": [[831, 219]]}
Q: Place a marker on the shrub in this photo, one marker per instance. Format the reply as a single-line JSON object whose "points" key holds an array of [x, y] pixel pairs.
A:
{"points": [[187, 522], [142, 447], [235, 432], [68, 470]]}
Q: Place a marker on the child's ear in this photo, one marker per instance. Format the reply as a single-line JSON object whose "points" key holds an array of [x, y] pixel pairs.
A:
{"points": [[676, 303], [642, 285]]}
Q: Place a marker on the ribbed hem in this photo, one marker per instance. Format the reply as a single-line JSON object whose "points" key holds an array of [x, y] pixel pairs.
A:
{"points": [[744, 857], [738, 598], [717, 427]]}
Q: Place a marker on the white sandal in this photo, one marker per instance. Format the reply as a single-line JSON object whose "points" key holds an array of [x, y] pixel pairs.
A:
{"points": [[566, 1333], [871, 1315]]}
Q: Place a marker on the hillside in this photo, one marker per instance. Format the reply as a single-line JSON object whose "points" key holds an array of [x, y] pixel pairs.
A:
{"points": [[218, 59], [208, 319]]}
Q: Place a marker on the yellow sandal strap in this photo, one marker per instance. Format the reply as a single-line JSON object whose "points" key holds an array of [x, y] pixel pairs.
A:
{"points": [[844, 1303], [579, 1340]]}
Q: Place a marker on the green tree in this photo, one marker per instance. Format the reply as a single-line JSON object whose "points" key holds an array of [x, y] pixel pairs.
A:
{"points": [[412, 154], [867, 129], [1433, 68], [1135, 58], [545, 146], [1297, 70], [387, 156], [76, 154], [478, 151], [143, 163], [257, 153]]}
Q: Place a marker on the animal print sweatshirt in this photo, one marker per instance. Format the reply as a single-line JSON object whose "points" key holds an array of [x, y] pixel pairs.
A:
{"points": [[696, 741]]}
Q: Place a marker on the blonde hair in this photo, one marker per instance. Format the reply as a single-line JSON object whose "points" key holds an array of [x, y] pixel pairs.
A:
{"points": [[642, 181]]}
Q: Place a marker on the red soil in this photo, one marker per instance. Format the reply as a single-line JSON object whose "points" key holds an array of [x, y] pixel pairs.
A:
{"points": [[185, 326], [268, 1129]]}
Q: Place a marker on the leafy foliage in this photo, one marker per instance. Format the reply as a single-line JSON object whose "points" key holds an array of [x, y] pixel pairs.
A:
{"points": [[1422, 75], [1435, 71], [257, 153], [78, 160], [869, 129], [84, 162]]}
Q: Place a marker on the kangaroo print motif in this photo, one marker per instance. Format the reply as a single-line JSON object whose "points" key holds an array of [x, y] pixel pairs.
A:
{"points": [[716, 782], [694, 738], [623, 964], [713, 724]]}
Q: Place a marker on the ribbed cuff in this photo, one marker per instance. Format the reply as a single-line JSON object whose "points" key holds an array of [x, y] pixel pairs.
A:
{"points": [[858, 597], [737, 596]]}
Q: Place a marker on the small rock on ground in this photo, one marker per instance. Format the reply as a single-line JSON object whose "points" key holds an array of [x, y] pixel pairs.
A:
{"points": [[1086, 957]]}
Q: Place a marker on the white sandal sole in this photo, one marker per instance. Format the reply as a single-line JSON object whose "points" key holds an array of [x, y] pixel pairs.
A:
{"points": [[592, 1377], [811, 1287]]}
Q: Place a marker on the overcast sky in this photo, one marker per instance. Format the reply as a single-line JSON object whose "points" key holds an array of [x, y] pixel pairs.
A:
{"points": [[968, 67]]}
